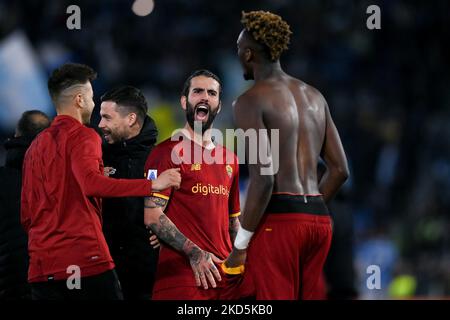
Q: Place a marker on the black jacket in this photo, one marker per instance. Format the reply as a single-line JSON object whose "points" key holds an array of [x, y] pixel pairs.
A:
{"points": [[13, 239], [123, 218]]}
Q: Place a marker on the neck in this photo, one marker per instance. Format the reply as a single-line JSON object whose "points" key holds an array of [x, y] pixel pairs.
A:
{"points": [[134, 131], [266, 70], [203, 140], [69, 111]]}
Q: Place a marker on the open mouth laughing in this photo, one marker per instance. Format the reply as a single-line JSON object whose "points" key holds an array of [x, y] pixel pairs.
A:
{"points": [[201, 112]]}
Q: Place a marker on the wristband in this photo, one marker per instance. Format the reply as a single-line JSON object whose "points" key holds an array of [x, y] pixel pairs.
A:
{"points": [[232, 271], [242, 238]]}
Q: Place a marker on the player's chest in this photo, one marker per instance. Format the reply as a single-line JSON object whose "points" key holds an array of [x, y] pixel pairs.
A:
{"points": [[217, 178]]}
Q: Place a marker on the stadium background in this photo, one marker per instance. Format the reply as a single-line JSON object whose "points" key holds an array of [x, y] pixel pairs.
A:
{"points": [[388, 90]]}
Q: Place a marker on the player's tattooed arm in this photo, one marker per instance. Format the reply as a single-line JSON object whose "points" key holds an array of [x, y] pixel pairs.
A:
{"points": [[169, 233], [154, 202], [165, 229], [202, 262], [233, 227]]}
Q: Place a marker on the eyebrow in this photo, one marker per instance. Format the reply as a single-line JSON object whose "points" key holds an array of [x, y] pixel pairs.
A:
{"points": [[203, 89]]}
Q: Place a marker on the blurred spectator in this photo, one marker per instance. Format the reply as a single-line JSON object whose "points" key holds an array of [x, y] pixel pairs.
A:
{"points": [[13, 240]]}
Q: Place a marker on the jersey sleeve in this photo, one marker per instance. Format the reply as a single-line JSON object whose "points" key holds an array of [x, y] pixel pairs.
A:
{"points": [[234, 203], [158, 161], [87, 167]]}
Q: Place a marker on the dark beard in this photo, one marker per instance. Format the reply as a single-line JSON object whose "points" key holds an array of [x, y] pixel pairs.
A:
{"points": [[190, 117]]}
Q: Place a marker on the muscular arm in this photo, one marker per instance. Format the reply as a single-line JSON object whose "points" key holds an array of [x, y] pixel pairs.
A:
{"points": [[335, 160], [248, 115], [233, 227], [164, 228]]}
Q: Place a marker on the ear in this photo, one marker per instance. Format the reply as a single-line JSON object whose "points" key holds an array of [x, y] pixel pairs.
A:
{"points": [[220, 107], [132, 119], [79, 101], [183, 102]]}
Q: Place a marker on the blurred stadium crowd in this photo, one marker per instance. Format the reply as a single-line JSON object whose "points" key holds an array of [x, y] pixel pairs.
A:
{"points": [[388, 90]]}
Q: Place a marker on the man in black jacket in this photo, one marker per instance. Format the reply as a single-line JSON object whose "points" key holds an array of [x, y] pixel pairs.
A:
{"points": [[129, 134], [13, 240]]}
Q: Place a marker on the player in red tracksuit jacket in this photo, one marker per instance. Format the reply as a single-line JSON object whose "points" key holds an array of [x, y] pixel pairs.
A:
{"points": [[63, 184]]}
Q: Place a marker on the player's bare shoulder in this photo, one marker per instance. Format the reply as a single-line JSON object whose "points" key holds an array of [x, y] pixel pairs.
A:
{"points": [[313, 98], [248, 109], [251, 98]]}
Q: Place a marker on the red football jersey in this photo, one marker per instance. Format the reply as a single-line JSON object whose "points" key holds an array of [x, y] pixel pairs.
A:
{"points": [[200, 208]]}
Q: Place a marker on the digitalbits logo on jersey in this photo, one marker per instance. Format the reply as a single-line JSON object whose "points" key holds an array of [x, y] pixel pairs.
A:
{"points": [[152, 174]]}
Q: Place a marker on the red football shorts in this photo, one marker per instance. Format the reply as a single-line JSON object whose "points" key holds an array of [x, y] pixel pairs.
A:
{"points": [[287, 253]]}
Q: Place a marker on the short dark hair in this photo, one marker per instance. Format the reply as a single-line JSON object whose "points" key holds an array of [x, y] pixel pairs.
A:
{"points": [[67, 75], [32, 122], [129, 99], [197, 73]]}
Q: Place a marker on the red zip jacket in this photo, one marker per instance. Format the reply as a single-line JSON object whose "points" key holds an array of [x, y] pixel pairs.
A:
{"points": [[62, 186]]}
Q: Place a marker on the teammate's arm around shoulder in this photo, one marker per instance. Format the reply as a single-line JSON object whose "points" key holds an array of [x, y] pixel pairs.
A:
{"points": [[334, 156]]}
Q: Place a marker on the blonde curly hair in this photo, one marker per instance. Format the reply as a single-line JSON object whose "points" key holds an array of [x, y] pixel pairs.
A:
{"points": [[268, 29]]}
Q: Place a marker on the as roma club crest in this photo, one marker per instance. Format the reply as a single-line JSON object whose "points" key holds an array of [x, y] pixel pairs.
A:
{"points": [[229, 170]]}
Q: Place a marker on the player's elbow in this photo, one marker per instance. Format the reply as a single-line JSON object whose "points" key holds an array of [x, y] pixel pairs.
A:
{"points": [[91, 191], [338, 169], [342, 173], [93, 185], [152, 216]]}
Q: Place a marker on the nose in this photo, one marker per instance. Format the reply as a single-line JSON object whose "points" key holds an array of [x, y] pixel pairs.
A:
{"points": [[205, 96], [101, 125]]}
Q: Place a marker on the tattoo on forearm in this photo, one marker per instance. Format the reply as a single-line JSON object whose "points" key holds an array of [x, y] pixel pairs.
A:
{"points": [[193, 252], [169, 233], [233, 228], [166, 231], [159, 201], [154, 202]]}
